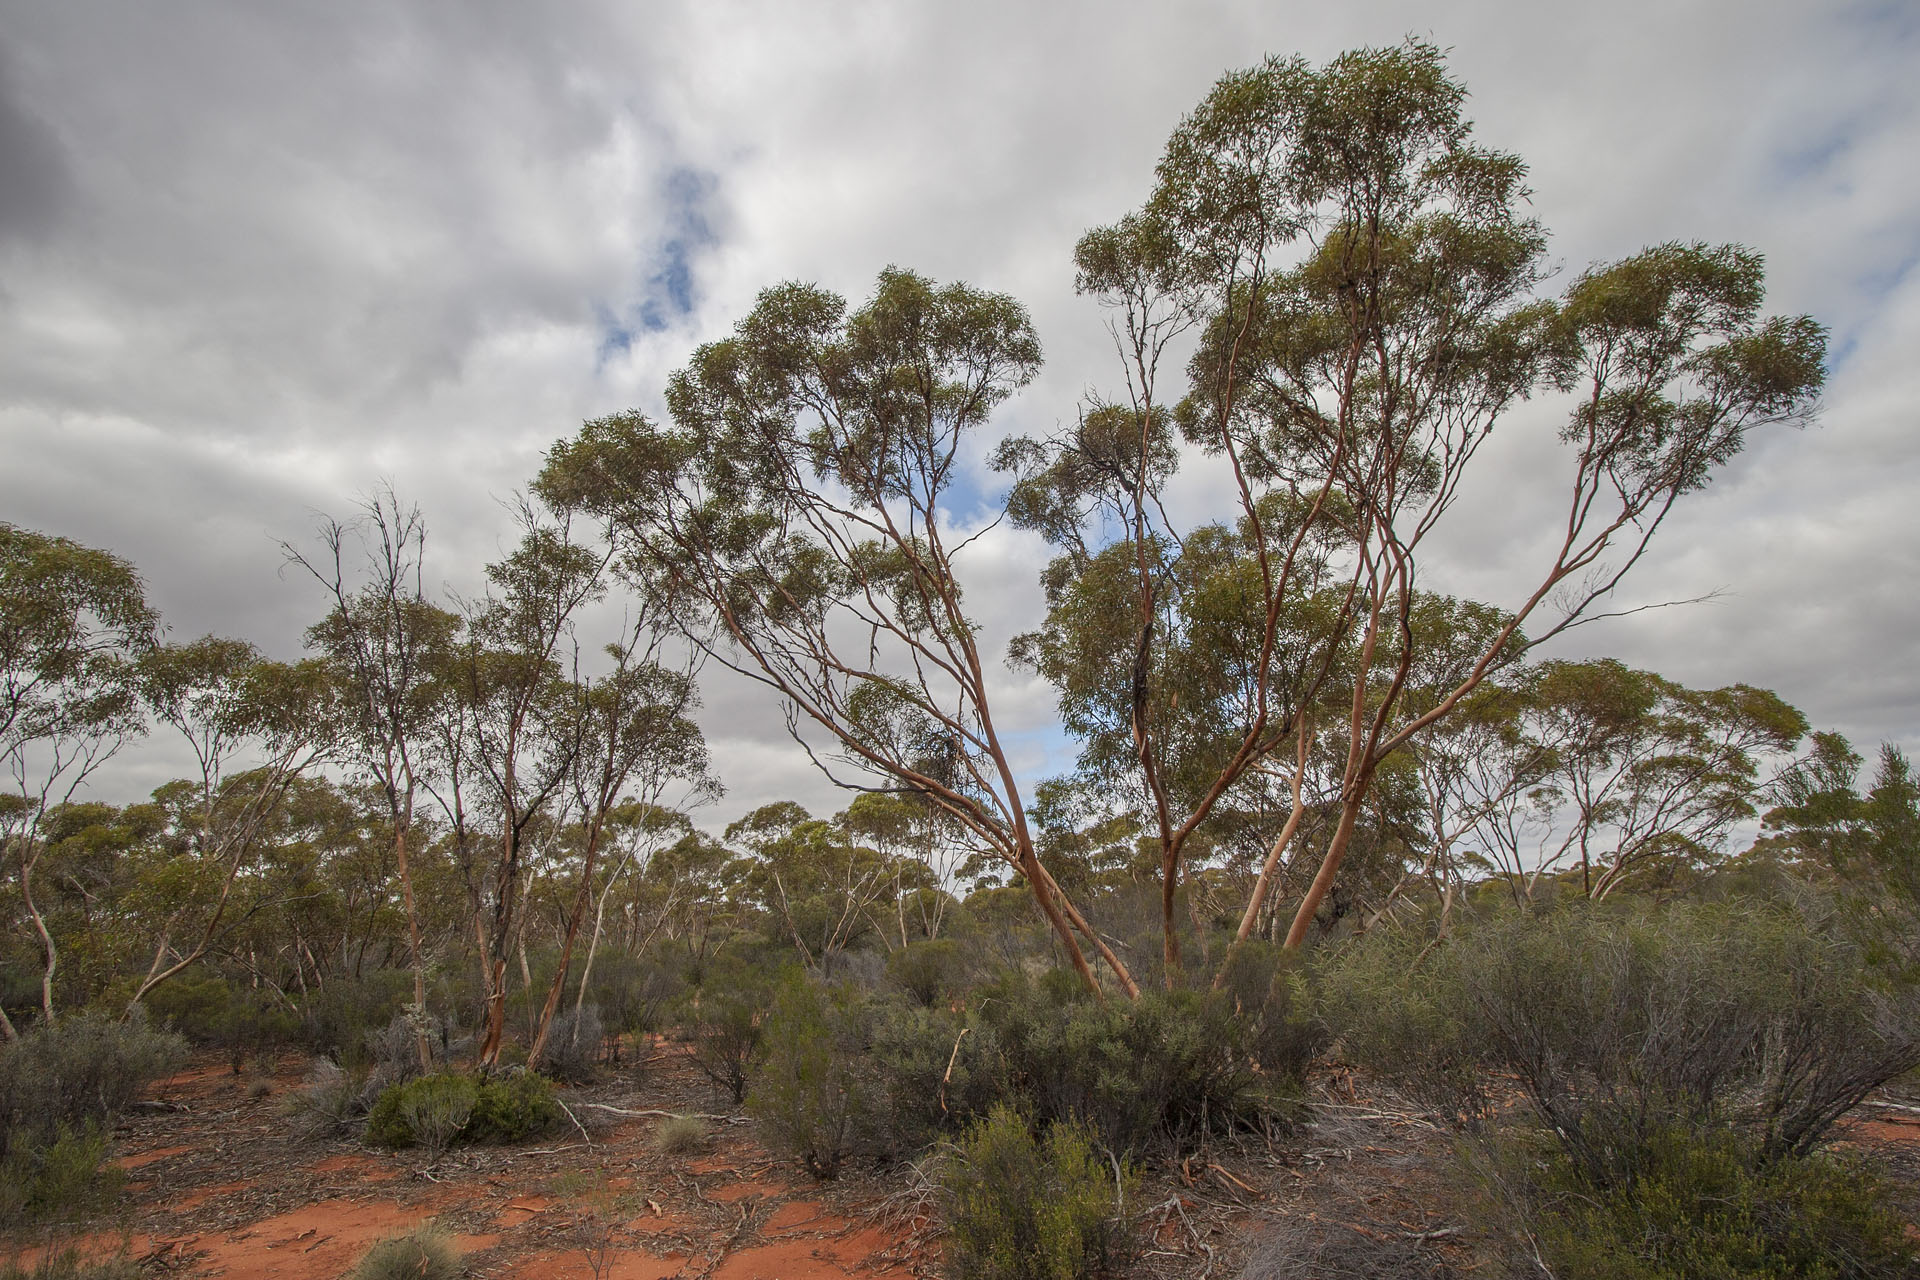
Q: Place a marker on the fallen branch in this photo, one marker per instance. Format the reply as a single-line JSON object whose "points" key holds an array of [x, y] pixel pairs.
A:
{"points": [[666, 1115], [576, 1120]]}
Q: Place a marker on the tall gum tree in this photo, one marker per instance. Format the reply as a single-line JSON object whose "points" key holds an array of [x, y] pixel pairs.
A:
{"points": [[381, 639], [509, 733], [73, 623], [1363, 285], [797, 514]]}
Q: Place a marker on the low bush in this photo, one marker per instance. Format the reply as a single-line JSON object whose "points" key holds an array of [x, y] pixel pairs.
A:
{"points": [[83, 1070], [1282, 1029], [931, 971], [812, 1094], [440, 1110], [1021, 1208], [1707, 1204], [725, 1020], [421, 1254], [1170, 1066], [513, 1108], [936, 1070], [63, 1177], [678, 1135], [435, 1110], [61, 1088], [1618, 1026], [71, 1264], [572, 1050]]}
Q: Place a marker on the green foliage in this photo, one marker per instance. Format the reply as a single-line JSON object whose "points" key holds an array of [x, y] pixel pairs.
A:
{"points": [[215, 1012], [421, 1254], [1865, 844], [83, 1071], [1170, 1066], [812, 1093], [1706, 1205], [61, 1088], [930, 970], [512, 1108], [726, 1021], [1274, 1008], [61, 1178], [1618, 1025], [935, 1070], [439, 1110], [71, 1264], [1025, 1209]]}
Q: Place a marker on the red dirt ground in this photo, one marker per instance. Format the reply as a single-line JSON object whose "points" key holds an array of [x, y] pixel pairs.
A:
{"points": [[222, 1187]]}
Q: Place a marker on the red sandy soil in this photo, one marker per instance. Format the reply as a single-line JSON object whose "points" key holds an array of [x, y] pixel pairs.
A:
{"points": [[222, 1186]]}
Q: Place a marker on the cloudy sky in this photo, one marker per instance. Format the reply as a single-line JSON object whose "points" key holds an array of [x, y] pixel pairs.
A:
{"points": [[258, 259]]}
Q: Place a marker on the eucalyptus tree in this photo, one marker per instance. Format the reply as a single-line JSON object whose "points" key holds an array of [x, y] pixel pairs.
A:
{"points": [[1363, 287], [921, 855], [635, 832], [799, 513], [254, 727], [1648, 773], [1864, 843], [73, 622], [634, 740], [382, 639], [509, 734]]}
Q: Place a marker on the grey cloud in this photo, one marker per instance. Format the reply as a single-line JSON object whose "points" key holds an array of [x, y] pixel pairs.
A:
{"points": [[303, 248], [33, 172]]}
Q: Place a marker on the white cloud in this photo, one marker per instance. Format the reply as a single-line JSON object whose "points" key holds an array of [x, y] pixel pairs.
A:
{"points": [[271, 256]]}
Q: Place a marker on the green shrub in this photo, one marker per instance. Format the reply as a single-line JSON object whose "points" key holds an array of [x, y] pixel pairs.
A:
{"points": [[932, 971], [935, 1071], [440, 1110], [1169, 1066], [1618, 1026], [811, 1093], [1021, 1209], [1268, 991], [725, 1021], [61, 1088], [513, 1108], [421, 1254], [435, 1110], [84, 1070], [70, 1264], [60, 1178], [1709, 1205]]}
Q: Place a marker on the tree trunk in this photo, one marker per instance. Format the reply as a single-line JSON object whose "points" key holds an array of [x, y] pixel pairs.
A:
{"points": [[50, 954], [558, 985], [421, 1045], [1329, 867]]}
